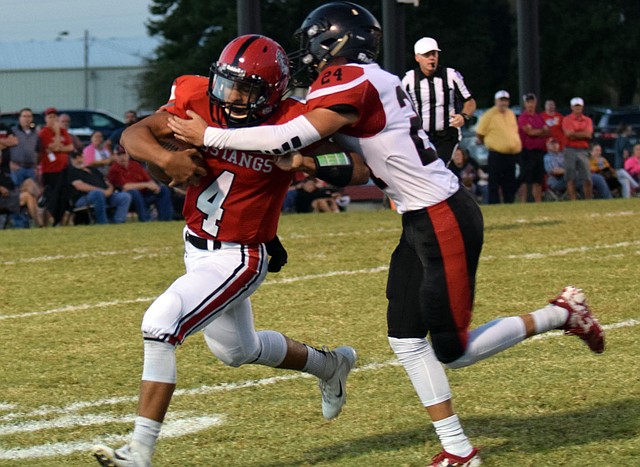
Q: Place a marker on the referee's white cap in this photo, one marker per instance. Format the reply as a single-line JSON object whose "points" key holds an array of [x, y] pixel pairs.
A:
{"points": [[424, 45]]}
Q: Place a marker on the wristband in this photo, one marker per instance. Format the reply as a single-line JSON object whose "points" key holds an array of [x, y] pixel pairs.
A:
{"points": [[334, 168], [465, 116]]}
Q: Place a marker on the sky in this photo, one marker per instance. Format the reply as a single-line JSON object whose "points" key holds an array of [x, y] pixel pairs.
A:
{"points": [[44, 20]]}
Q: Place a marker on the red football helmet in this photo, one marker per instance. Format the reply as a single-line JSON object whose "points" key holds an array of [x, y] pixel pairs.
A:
{"points": [[248, 81]]}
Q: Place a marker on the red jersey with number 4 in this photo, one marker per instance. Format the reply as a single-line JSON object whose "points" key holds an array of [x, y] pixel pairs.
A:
{"points": [[388, 133], [241, 197]]}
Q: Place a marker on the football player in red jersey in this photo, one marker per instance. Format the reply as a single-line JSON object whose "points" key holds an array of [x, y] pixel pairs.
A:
{"points": [[231, 211], [432, 273]]}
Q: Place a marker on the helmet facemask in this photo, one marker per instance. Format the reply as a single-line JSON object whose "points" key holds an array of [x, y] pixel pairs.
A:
{"points": [[241, 100]]}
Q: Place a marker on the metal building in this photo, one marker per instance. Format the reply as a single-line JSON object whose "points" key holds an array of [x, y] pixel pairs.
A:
{"points": [[92, 73]]}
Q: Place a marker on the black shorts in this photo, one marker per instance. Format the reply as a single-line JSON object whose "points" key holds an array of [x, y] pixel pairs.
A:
{"points": [[432, 274], [532, 166]]}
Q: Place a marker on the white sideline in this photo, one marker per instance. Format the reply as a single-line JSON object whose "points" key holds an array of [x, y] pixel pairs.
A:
{"points": [[563, 252], [178, 424]]}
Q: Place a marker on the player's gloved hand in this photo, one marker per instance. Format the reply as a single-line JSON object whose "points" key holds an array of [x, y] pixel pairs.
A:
{"points": [[278, 255]]}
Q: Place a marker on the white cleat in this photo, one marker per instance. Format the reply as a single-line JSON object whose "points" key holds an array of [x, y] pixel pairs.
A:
{"points": [[334, 389], [125, 456]]}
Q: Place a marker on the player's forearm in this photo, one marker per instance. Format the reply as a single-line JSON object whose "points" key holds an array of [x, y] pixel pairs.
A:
{"points": [[269, 139]]}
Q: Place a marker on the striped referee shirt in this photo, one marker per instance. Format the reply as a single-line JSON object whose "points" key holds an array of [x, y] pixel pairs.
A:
{"points": [[438, 96]]}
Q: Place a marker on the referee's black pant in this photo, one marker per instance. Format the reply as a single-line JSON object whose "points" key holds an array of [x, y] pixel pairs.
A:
{"points": [[446, 142]]}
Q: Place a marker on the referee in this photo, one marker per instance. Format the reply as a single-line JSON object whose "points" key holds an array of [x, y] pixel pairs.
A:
{"points": [[437, 93]]}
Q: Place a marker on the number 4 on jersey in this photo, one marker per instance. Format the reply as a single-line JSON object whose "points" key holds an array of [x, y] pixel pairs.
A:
{"points": [[211, 200]]}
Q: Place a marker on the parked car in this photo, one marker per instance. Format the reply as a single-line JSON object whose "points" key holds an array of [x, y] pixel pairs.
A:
{"points": [[83, 122], [606, 123]]}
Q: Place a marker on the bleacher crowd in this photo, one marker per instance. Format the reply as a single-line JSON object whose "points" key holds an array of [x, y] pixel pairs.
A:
{"points": [[49, 177]]}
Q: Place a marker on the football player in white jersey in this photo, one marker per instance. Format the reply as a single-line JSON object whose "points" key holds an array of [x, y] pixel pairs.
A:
{"points": [[432, 272]]}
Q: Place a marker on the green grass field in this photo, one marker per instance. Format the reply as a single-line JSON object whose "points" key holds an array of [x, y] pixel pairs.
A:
{"points": [[72, 298]]}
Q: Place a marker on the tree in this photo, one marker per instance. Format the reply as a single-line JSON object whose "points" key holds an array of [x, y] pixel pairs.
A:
{"points": [[195, 31], [586, 48]]}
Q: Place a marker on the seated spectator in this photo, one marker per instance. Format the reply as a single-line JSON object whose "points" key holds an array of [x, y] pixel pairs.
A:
{"points": [[289, 205], [90, 188], [131, 177], [600, 165], [554, 167], [314, 196], [98, 154], [9, 197], [632, 163], [470, 174], [556, 173]]}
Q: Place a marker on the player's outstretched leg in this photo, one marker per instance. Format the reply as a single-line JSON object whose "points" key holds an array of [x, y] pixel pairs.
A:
{"points": [[334, 388], [581, 321], [125, 456]]}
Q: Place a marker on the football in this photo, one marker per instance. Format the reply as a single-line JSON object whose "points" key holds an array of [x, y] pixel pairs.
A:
{"points": [[170, 144]]}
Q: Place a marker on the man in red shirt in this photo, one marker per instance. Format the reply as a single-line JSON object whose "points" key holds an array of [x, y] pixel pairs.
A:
{"points": [[55, 146], [129, 176], [578, 130]]}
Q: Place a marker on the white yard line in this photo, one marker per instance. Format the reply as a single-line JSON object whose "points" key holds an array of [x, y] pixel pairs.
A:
{"points": [[178, 424]]}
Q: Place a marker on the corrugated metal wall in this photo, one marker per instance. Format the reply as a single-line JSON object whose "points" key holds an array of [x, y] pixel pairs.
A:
{"points": [[110, 89]]}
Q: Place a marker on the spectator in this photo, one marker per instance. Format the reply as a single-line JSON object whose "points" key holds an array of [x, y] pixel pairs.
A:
{"points": [[438, 93], [97, 154], [533, 134], [554, 167], [24, 155], [632, 163], [289, 204], [622, 150], [470, 174], [90, 188], [600, 166], [130, 177], [130, 117], [554, 164], [65, 122], [55, 146], [578, 129], [498, 131], [314, 196], [553, 120]]}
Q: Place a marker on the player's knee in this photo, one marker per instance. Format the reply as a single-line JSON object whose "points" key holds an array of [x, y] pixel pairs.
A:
{"points": [[233, 355], [160, 316], [447, 347]]}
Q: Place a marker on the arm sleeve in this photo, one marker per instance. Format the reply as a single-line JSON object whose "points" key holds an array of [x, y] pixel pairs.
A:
{"points": [[269, 139]]}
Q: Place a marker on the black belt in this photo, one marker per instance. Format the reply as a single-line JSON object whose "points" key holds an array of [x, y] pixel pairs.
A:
{"points": [[203, 243]]}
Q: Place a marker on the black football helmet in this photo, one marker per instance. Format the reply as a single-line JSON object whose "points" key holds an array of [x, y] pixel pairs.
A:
{"points": [[247, 82], [337, 29]]}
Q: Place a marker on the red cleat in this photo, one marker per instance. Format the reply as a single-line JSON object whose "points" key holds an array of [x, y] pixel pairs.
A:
{"points": [[444, 459], [581, 321]]}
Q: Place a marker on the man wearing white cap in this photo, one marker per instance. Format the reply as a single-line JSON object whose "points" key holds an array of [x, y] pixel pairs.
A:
{"points": [[440, 96], [498, 131], [578, 128]]}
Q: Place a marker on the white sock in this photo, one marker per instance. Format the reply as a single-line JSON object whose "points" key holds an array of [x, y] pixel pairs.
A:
{"points": [[318, 364], [452, 437], [491, 338], [145, 435], [548, 318]]}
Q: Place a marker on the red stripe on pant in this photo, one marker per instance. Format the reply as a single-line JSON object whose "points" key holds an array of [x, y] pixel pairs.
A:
{"points": [[251, 270], [454, 259]]}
